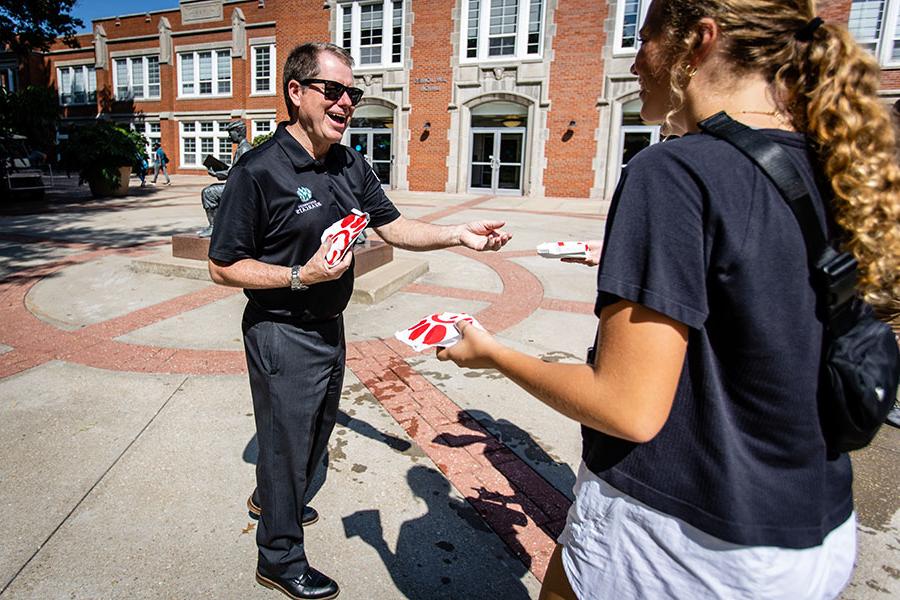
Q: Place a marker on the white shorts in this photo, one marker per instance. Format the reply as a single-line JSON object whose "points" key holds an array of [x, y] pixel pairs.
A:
{"points": [[616, 547]]}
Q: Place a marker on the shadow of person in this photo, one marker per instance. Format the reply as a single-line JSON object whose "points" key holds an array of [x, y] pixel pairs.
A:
{"points": [[435, 557], [557, 472], [547, 509]]}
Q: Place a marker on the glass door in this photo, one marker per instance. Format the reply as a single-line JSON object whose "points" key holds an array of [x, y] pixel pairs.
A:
{"points": [[497, 156], [375, 145]]}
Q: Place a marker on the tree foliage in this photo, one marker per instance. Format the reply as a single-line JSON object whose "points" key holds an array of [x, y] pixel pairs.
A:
{"points": [[32, 112], [27, 25]]}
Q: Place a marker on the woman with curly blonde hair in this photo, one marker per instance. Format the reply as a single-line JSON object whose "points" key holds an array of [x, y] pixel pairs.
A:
{"points": [[705, 472]]}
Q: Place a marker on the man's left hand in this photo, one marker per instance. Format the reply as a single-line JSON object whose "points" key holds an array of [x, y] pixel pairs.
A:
{"points": [[483, 235]]}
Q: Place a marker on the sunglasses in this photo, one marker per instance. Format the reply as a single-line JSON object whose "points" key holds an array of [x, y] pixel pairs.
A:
{"points": [[332, 90]]}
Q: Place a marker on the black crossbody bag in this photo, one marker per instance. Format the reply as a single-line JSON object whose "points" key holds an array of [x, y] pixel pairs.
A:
{"points": [[861, 360]]}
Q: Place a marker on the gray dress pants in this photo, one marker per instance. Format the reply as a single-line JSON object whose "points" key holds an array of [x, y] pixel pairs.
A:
{"points": [[296, 374]]}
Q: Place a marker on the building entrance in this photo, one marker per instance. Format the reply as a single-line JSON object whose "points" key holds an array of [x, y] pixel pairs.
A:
{"points": [[375, 145], [497, 155]]}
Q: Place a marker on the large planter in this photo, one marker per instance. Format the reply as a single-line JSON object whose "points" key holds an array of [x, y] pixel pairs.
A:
{"points": [[100, 188]]}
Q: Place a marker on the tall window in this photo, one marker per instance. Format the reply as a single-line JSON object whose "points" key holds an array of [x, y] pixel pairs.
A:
{"points": [[876, 26], [497, 29], [8, 80], [263, 66], [372, 31], [200, 138], [204, 73], [629, 18], [136, 77], [77, 85]]}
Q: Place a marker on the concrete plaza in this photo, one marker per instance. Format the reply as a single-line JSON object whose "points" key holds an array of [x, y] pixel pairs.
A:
{"points": [[127, 435]]}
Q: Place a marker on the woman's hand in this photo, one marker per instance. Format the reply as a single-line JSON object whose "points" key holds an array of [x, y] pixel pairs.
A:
{"points": [[593, 257], [474, 350]]}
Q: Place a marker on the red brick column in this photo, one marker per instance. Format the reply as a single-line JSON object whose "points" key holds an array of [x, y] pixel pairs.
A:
{"points": [[430, 97], [576, 81]]}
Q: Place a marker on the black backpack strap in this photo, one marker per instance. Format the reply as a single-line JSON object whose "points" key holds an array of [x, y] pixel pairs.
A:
{"points": [[777, 165], [835, 272]]}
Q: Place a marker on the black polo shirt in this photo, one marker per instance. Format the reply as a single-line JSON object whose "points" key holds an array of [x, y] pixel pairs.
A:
{"points": [[276, 205]]}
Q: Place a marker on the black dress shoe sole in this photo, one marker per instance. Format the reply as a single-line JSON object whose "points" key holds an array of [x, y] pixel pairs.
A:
{"points": [[273, 585], [254, 511]]}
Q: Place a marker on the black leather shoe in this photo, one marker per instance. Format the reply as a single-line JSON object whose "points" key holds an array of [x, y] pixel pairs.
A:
{"points": [[310, 515], [312, 585]]}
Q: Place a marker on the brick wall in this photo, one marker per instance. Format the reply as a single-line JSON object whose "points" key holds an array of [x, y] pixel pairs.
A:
{"points": [[576, 81], [430, 52], [298, 23]]}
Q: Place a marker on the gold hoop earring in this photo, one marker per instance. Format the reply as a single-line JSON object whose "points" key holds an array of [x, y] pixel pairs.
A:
{"points": [[690, 71]]}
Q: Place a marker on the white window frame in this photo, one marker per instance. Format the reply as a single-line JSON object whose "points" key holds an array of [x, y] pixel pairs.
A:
{"points": [[255, 130], [653, 130], [195, 56], [387, 32], [90, 84], [145, 67], [484, 24], [152, 131], [218, 133], [618, 48], [254, 91], [888, 35]]}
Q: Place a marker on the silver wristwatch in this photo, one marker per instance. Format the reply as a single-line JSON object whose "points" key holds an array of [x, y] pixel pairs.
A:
{"points": [[296, 284]]}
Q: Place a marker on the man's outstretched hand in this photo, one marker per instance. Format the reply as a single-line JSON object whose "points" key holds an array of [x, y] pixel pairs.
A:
{"points": [[483, 235]]}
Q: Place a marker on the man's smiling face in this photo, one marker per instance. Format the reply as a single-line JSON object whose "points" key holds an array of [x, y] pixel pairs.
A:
{"points": [[323, 120]]}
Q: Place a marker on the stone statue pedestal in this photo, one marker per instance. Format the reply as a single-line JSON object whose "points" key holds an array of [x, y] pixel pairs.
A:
{"points": [[368, 256]]}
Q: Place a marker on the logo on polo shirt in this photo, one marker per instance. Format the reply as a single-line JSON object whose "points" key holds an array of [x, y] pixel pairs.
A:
{"points": [[306, 201]]}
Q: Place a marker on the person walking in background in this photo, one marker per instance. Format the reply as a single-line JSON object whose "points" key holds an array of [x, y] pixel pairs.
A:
{"points": [[705, 469], [279, 199], [141, 167], [160, 162]]}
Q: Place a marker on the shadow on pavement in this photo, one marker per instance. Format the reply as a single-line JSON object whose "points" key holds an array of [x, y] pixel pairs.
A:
{"points": [[426, 565]]}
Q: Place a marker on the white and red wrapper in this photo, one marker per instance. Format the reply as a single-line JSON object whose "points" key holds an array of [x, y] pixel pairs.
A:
{"points": [[563, 250], [343, 233], [435, 330]]}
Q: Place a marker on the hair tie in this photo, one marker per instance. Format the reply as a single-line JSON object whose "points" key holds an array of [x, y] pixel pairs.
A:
{"points": [[805, 33]]}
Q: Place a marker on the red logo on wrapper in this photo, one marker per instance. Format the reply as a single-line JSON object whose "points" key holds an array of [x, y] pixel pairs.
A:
{"points": [[435, 330], [342, 234]]}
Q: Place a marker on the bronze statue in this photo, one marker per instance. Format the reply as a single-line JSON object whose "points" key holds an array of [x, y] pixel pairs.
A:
{"points": [[211, 194]]}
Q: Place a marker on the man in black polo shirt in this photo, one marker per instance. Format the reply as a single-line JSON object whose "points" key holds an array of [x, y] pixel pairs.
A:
{"points": [[279, 200]]}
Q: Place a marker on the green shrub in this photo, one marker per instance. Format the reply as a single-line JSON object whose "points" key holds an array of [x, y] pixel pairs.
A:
{"points": [[98, 150]]}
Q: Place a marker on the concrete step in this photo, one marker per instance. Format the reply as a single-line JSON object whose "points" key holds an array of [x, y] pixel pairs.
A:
{"points": [[378, 284], [370, 288]]}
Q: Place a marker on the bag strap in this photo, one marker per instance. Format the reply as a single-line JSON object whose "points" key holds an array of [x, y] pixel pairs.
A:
{"points": [[834, 272], [774, 161]]}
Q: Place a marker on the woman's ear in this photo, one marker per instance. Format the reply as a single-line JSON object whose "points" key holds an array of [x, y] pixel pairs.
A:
{"points": [[708, 35]]}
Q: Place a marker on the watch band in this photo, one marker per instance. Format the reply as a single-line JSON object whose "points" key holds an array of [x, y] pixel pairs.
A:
{"points": [[296, 284]]}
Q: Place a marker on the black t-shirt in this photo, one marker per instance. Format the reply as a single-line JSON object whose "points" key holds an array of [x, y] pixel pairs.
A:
{"points": [[699, 234], [276, 205]]}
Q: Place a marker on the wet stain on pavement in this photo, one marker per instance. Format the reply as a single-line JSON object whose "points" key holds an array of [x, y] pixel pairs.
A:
{"points": [[558, 356], [445, 580], [357, 468], [892, 571], [336, 453], [435, 375], [445, 546], [484, 374]]}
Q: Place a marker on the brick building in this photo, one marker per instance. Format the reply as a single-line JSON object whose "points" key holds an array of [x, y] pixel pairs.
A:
{"points": [[526, 97]]}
